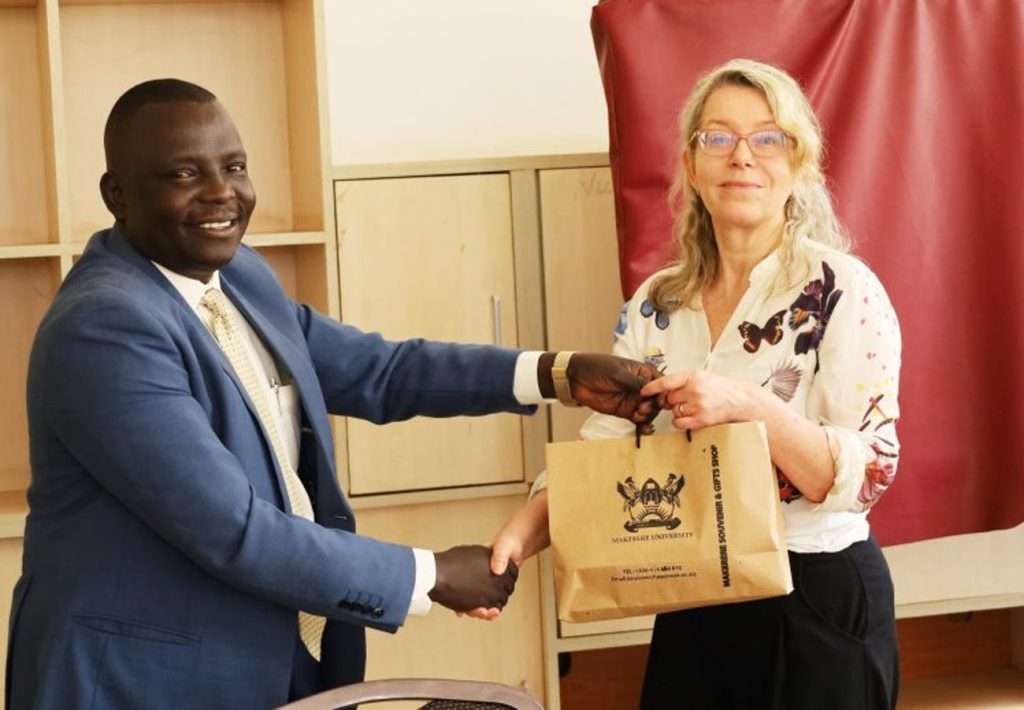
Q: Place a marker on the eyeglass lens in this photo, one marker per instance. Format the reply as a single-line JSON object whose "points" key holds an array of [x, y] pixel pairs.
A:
{"points": [[762, 143]]}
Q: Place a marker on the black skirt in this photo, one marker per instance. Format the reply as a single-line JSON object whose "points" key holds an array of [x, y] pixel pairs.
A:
{"points": [[831, 643]]}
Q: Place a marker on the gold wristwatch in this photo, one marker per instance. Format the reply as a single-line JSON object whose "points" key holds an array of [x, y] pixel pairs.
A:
{"points": [[558, 377]]}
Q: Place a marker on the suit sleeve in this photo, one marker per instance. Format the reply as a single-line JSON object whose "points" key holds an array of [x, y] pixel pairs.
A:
{"points": [[364, 375], [115, 388]]}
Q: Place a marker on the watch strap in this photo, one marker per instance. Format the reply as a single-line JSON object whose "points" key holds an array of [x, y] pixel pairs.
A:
{"points": [[560, 379]]}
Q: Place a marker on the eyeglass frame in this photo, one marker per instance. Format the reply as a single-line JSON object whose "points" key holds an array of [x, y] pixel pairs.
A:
{"points": [[737, 137]]}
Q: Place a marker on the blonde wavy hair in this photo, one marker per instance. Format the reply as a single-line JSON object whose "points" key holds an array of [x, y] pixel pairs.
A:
{"points": [[809, 210]]}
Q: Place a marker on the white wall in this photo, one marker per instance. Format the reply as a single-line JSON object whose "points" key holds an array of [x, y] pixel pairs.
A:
{"points": [[412, 80]]}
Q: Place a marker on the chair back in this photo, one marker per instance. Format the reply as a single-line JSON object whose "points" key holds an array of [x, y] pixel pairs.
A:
{"points": [[442, 694]]}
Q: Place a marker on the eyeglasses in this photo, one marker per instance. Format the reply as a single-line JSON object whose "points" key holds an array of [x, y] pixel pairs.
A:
{"points": [[765, 144]]}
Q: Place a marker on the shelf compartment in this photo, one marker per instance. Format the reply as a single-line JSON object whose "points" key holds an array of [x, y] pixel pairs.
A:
{"points": [[107, 48], [24, 180], [300, 269], [26, 288]]}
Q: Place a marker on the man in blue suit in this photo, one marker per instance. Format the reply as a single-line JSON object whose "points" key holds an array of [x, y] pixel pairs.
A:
{"points": [[166, 556]]}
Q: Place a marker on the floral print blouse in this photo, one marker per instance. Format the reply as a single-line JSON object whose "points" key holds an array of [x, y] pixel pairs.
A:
{"points": [[829, 347]]}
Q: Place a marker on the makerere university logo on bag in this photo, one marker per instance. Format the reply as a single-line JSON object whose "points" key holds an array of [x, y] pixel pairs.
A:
{"points": [[651, 505]]}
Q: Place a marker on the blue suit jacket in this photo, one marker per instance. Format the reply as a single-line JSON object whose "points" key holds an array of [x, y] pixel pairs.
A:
{"points": [[160, 566]]}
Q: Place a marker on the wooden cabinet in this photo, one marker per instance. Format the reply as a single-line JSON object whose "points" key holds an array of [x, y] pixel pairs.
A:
{"points": [[453, 251], [430, 257]]}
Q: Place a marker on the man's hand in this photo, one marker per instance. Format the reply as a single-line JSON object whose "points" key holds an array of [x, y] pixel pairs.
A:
{"points": [[507, 550], [465, 580], [606, 383]]}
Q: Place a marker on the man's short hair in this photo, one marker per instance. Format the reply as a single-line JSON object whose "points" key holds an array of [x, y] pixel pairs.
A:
{"points": [[155, 91]]}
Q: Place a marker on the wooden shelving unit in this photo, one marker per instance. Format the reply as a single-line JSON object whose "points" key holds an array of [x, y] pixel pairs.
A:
{"points": [[263, 59]]}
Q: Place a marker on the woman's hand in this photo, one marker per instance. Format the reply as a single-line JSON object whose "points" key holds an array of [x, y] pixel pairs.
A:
{"points": [[504, 547], [798, 447], [524, 535], [699, 398]]}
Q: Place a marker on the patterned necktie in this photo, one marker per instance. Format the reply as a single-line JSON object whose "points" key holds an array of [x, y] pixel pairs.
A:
{"points": [[311, 628]]}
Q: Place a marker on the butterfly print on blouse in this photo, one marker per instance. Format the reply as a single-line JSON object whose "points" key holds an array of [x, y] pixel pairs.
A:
{"points": [[815, 305], [770, 333], [647, 310], [623, 322]]}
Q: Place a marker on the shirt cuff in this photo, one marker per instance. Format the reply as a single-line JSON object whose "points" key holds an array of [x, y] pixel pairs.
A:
{"points": [[541, 484], [525, 387], [426, 578], [848, 459]]}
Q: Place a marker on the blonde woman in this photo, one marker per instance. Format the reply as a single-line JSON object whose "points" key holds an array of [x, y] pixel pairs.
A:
{"points": [[766, 316]]}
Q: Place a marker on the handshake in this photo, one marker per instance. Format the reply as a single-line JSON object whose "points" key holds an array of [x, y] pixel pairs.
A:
{"points": [[465, 581]]}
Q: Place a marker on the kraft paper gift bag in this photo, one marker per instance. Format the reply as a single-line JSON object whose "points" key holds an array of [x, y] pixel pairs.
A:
{"points": [[671, 525]]}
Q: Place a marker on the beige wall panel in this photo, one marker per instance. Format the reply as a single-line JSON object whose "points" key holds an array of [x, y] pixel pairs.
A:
{"points": [[236, 50], [23, 193], [581, 270], [455, 79], [441, 644], [429, 257]]}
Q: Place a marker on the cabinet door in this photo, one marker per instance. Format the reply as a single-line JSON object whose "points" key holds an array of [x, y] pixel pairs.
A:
{"points": [[430, 257], [581, 270], [440, 644]]}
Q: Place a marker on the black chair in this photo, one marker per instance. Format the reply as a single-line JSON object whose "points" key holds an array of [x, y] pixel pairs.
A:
{"points": [[442, 694]]}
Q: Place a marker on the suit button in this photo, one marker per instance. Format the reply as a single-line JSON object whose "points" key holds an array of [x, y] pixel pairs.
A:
{"points": [[344, 604], [378, 612]]}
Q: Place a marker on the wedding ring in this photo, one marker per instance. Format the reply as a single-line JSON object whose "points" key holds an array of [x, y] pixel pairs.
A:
{"points": [[679, 410]]}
